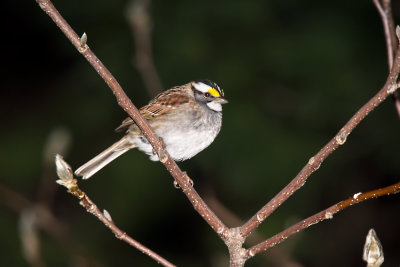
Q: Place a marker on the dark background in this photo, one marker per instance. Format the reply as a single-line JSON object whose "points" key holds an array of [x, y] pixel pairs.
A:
{"points": [[293, 71]]}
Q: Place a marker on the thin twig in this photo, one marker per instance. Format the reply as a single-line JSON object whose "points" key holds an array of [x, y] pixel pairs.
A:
{"points": [[181, 178], [321, 216], [139, 19], [64, 172], [391, 31], [385, 12], [315, 162], [88, 204], [388, 28]]}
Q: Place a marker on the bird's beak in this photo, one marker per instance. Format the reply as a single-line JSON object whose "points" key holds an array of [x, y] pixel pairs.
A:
{"points": [[221, 100]]}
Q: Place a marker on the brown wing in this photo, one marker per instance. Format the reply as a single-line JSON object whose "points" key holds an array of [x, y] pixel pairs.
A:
{"points": [[161, 104]]}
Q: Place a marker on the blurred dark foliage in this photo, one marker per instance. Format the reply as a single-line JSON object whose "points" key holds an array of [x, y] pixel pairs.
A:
{"points": [[293, 71]]}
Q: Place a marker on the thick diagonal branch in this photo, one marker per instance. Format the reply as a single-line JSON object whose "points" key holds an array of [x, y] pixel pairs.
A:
{"points": [[123, 100]]}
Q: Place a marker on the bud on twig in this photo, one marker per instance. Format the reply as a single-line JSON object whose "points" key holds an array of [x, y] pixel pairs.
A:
{"points": [[64, 172], [373, 251]]}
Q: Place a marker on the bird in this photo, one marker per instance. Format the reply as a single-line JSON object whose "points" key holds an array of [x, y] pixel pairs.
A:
{"points": [[187, 118]]}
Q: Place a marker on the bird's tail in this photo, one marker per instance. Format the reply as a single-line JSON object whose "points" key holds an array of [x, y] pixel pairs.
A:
{"points": [[105, 157]]}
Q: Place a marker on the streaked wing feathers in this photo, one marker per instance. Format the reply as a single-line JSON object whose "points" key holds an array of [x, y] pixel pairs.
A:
{"points": [[161, 104]]}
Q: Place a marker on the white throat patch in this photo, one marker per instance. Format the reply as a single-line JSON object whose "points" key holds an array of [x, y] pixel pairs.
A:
{"points": [[214, 106]]}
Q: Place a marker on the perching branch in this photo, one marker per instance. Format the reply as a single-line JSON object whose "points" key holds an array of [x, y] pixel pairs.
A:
{"points": [[66, 176], [181, 178]]}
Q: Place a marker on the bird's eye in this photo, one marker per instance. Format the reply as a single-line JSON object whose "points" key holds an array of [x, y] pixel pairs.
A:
{"points": [[207, 94]]}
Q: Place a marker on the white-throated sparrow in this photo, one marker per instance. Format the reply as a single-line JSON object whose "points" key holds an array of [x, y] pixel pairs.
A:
{"points": [[186, 117]]}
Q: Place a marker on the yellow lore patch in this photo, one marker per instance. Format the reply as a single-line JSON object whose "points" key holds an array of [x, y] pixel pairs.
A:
{"points": [[214, 92]]}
